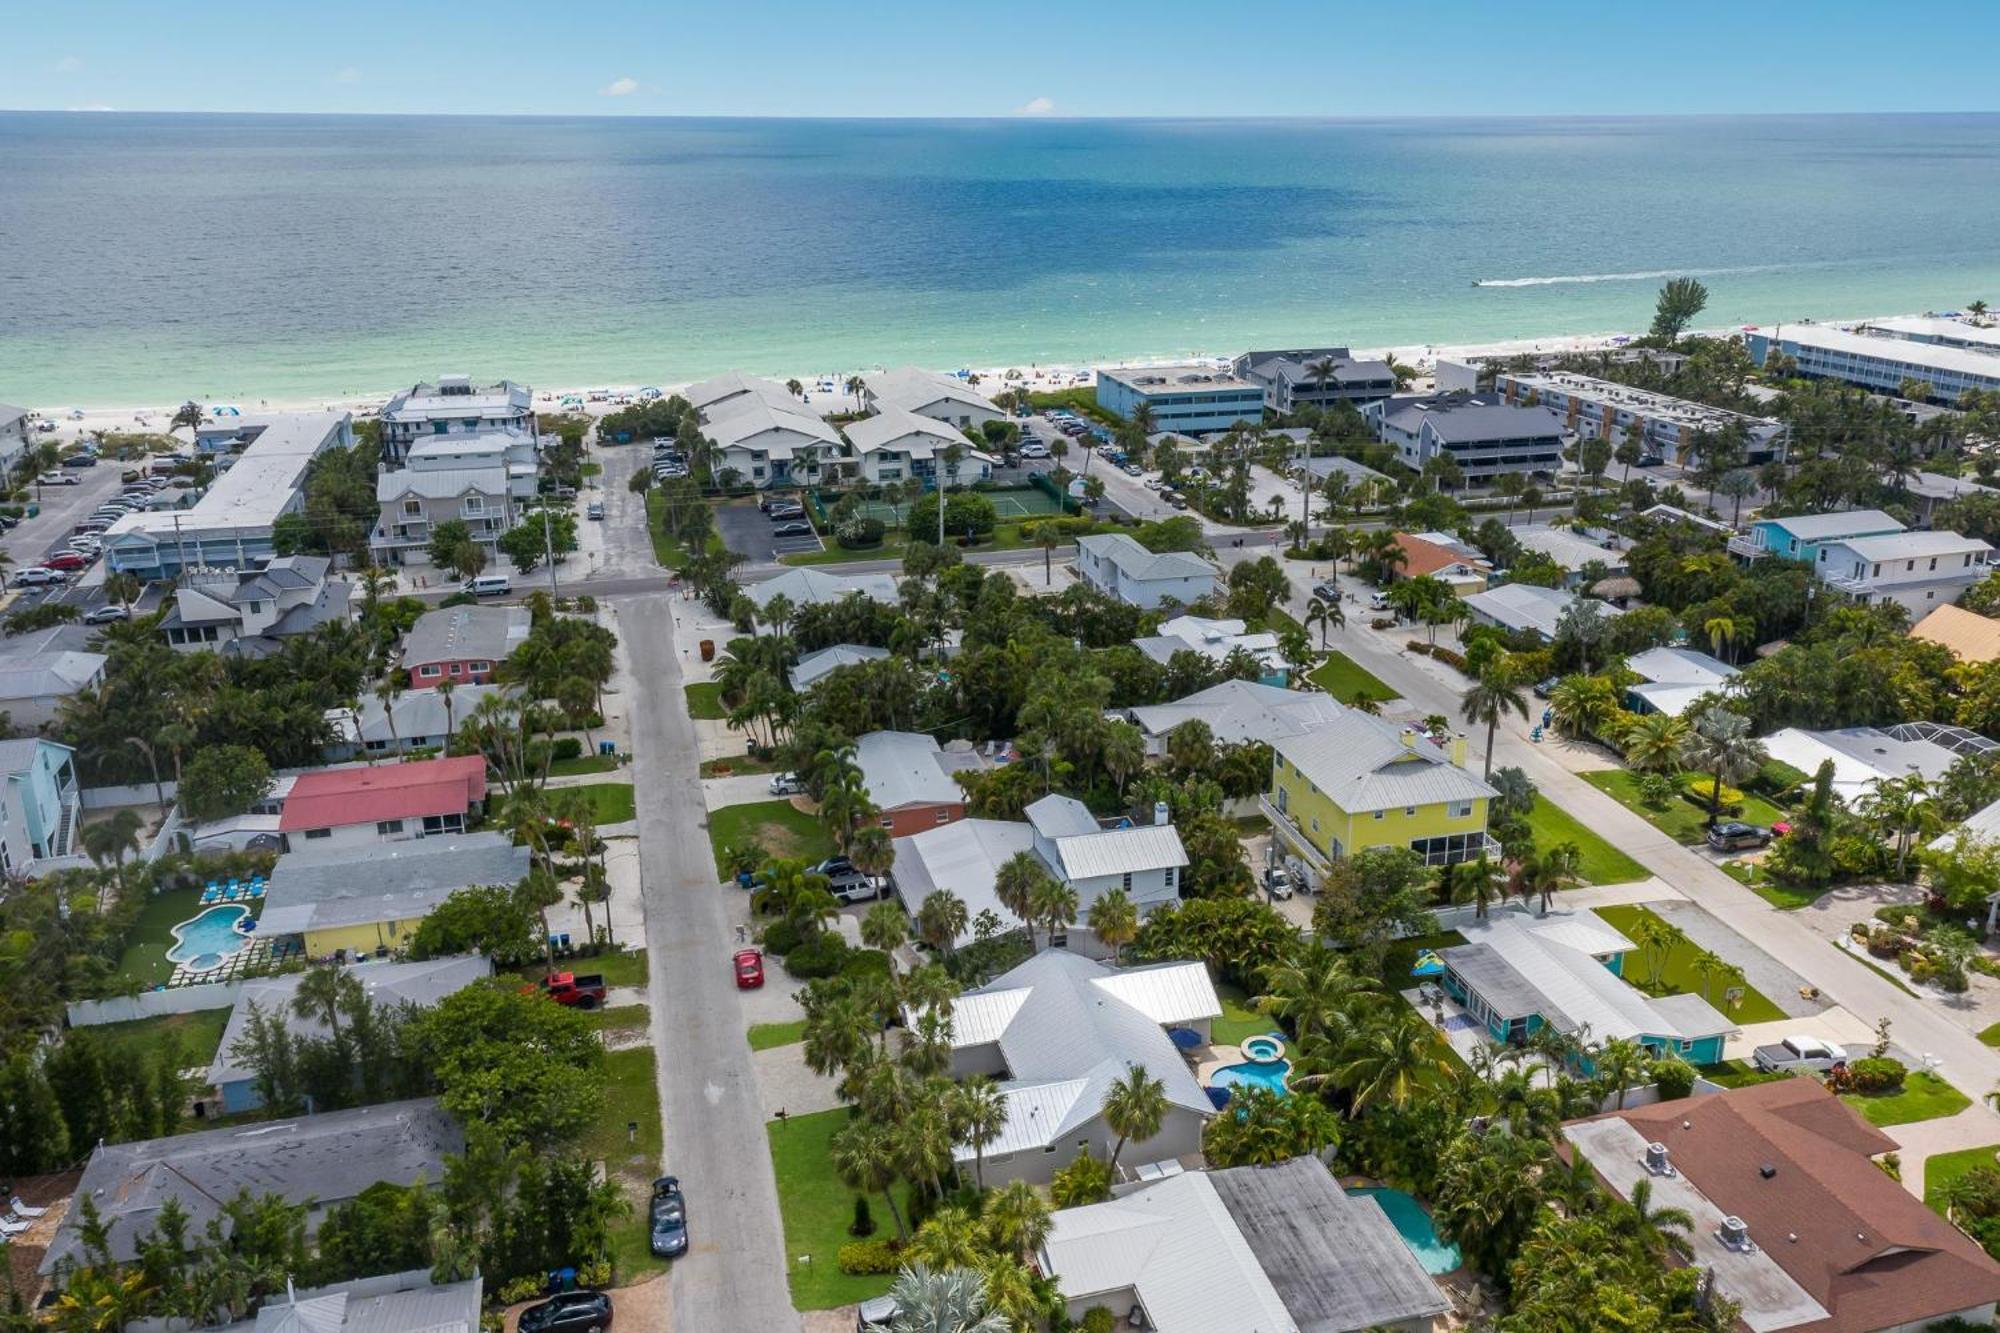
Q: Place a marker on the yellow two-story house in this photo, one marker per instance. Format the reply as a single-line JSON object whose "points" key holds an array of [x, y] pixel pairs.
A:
{"points": [[1360, 782]]}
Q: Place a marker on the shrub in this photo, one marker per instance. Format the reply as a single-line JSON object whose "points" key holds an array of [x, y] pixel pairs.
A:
{"points": [[1696, 793], [1084, 1181], [1674, 1078], [865, 963], [864, 1258], [781, 937], [567, 747], [1097, 1319], [1454, 660], [1877, 1074], [522, 1289], [821, 956], [1776, 778], [859, 532], [863, 1224]]}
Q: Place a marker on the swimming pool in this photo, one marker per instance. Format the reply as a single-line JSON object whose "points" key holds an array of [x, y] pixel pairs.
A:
{"points": [[1253, 1074], [1413, 1224], [209, 939]]}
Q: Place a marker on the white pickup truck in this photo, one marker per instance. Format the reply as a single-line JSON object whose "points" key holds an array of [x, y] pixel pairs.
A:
{"points": [[1799, 1054]]}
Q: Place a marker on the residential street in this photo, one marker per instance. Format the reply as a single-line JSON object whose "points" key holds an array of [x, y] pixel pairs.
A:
{"points": [[1918, 1025], [734, 1276]]}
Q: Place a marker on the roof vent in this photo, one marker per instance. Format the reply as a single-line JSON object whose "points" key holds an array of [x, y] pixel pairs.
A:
{"points": [[1656, 1160], [1735, 1234], [1767, 1170]]}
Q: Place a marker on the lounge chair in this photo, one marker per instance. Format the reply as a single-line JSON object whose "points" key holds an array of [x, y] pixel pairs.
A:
{"points": [[24, 1210], [8, 1228]]}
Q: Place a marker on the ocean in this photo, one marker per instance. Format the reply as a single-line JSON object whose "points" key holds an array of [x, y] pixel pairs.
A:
{"points": [[149, 258]]}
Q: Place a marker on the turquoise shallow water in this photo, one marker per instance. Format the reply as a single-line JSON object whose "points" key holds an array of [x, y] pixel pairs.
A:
{"points": [[210, 935], [146, 257], [1413, 1224]]}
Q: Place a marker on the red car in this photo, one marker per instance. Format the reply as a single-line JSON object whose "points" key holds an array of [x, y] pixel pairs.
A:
{"points": [[66, 560], [749, 969]]}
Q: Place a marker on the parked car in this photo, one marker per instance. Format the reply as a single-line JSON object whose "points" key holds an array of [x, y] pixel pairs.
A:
{"points": [[596, 509], [36, 575], [786, 784], [487, 585], [1732, 835], [570, 1312], [669, 1217], [130, 474], [1379, 602], [62, 479], [834, 865], [67, 560], [1034, 449], [1547, 687], [1326, 592], [1799, 1054], [786, 510], [104, 615], [794, 529], [853, 887], [585, 992], [1651, 460], [749, 966], [80, 460], [1278, 883], [1175, 499]]}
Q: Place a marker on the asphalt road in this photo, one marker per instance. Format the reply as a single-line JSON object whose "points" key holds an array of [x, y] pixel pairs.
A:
{"points": [[734, 1275]]}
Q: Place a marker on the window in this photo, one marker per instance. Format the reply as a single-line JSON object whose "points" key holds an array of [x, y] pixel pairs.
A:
{"points": [[1048, 1147], [1170, 878], [944, 816], [888, 821], [457, 668], [476, 667], [413, 509], [1409, 810], [430, 670], [318, 833], [1463, 810], [385, 827], [436, 824], [1127, 885], [474, 504], [1381, 814]]}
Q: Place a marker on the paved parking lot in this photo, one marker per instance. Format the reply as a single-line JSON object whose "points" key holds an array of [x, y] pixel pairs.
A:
{"points": [[748, 532]]}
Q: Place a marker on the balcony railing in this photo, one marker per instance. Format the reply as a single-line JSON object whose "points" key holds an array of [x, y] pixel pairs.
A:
{"points": [[1748, 547], [1288, 832]]}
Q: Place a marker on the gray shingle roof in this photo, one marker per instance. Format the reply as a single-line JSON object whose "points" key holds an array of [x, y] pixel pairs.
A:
{"points": [[1337, 1262], [461, 633], [905, 768], [809, 670], [1134, 561], [812, 587], [325, 1159], [384, 881]]}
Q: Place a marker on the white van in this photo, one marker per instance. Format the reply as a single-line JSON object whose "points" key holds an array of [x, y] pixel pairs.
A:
{"points": [[487, 585]]}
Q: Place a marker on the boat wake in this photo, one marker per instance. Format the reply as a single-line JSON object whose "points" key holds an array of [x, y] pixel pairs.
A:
{"points": [[1649, 275]]}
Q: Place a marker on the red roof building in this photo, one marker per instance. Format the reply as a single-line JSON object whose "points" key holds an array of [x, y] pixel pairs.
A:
{"points": [[422, 798]]}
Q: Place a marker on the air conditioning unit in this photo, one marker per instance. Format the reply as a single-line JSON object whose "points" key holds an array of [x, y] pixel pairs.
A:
{"points": [[1735, 1233], [1656, 1160]]}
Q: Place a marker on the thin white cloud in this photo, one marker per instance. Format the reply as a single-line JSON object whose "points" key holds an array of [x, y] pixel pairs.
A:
{"points": [[347, 74], [1040, 106], [91, 106], [69, 64], [624, 87]]}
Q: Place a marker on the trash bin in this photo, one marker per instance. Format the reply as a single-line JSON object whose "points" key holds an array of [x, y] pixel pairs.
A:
{"points": [[607, 747], [707, 645], [33, 509]]}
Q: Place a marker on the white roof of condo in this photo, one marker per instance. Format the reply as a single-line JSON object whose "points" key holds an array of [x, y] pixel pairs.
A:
{"points": [[1134, 561], [1913, 545], [456, 397], [1924, 356], [921, 435], [1645, 402], [262, 483], [910, 387], [733, 384], [1193, 377], [740, 427], [1937, 328]]}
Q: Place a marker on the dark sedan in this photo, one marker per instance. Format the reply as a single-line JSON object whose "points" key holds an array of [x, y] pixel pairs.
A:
{"points": [[669, 1218], [571, 1312]]}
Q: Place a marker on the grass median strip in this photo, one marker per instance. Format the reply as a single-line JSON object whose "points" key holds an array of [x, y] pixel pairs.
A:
{"points": [[765, 1036]]}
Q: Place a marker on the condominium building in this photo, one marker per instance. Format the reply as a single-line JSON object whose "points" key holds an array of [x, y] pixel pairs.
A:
{"points": [[1919, 571], [13, 435], [414, 502], [1192, 399], [926, 393], [1315, 377], [1938, 330], [898, 445], [1675, 428], [455, 407], [1484, 434], [1881, 364]]}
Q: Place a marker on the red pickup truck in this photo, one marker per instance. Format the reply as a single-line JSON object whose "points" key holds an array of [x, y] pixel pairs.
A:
{"points": [[585, 992]]}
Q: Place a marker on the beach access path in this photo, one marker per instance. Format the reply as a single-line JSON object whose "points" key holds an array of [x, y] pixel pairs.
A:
{"points": [[1918, 1025]]}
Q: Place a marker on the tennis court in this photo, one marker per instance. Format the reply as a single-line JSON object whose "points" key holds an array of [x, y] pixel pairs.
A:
{"points": [[1011, 504]]}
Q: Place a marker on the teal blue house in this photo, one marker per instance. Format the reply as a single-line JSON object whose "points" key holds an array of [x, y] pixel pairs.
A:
{"points": [[39, 805], [1517, 974], [1804, 537]]}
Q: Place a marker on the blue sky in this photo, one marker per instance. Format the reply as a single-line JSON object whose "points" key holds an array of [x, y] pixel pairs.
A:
{"points": [[1094, 58]]}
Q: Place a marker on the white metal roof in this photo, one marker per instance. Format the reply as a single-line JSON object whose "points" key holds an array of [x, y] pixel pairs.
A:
{"points": [[1167, 993], [809, 670], [1979, 364], [1861, 756], [903, 768], [1846, 523], [1912, 545], [1523, 606], [1365, 763], [732, 384], [920, 435], [1242, 710], [811, 587], [1134, 561], [1680, 666], [1059, 816], [1125, 851], [963, 856], [260, 485], [1570, 551], [760, 425]]}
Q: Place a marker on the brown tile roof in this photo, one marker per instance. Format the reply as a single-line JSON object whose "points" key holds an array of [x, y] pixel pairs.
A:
{"points": [[1867, 1250], [1425, 557], [1970, 636]]}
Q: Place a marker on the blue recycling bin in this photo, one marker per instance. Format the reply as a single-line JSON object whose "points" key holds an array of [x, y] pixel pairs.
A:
{"points": [[607, 747]]}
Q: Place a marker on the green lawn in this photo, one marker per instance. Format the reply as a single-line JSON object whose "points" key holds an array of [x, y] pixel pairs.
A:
{"points": [[1781, 896], [1343, 678], [583, 763], [1601, 863], [1238, 1019], [780, 828], [622, 967], [705, 701], [1678, 819], [1004, 537], [1940, 1171], [145, 956], [1924, 1096], [631, 1094], [817, 1210], [1990, 1035], [620, 1018], [610, 802], [735, 764], [763, 1036], [200, 1035], [1677, 976], [1738, 1074]]}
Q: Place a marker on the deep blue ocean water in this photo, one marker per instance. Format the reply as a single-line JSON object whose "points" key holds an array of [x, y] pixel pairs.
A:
{"points": [[149, 257]]}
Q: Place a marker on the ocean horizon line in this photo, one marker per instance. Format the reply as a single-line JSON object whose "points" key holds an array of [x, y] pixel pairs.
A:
{"points": [[1014, 118]]}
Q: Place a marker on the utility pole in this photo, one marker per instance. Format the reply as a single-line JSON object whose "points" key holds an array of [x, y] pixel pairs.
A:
{"points": [[549, 548]]}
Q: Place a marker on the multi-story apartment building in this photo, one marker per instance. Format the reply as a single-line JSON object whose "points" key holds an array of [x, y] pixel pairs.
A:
{"points": [[1486, 436], [13, 435], [1674, 428], [897, 445], [1191, 399], [1938, 330], [415, 501], [1800, 537], [1879, 364], [1315, 377], [1919, 571], [455, 406], [927, 393]]}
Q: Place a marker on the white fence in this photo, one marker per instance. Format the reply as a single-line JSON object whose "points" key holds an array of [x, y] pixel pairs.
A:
{"points": [[153, 1004], [136, 793]]}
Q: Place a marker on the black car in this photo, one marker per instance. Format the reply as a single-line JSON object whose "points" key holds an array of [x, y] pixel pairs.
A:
{"points": [[1651, 460], [571, 1312], [834, 866], [1326, 592], [799, 529], [1546, 688], [1730, 835], [669, 1218]]}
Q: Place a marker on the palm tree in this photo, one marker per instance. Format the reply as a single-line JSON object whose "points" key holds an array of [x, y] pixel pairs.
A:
{"points": [[864, 1157], [1901, 807], [952, 1301], [1656, 939], [872, 851], [124, 589], [1019, 1218], [1135, 1106], [386, 693], [1324, 615], [152, 753], [981, 1113], [951, 1237], [1721, 745], [1584, 705], [1054, 904], [1620, 1063], [1721, 631], [885, 928], [1655, 1229], [1393, 1061], [1492, 697], [327, 991], [1654, 742], [941, 919], [1016, 884], [1555, 869], [1478, 882], [1115, 921], [113, 839], [1314, 989]]}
